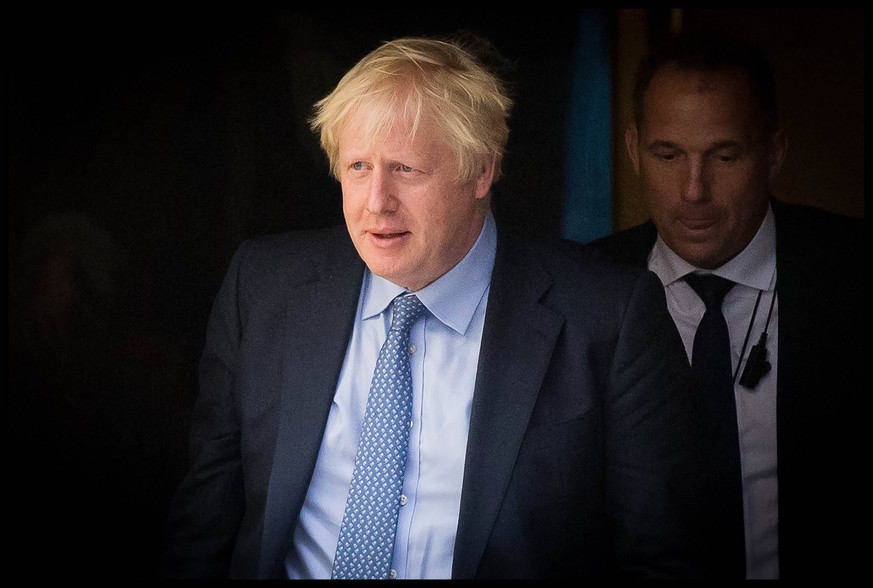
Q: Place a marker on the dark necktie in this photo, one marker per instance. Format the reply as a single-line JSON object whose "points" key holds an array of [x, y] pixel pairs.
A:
{"points": [[366, 541], [711, 363]]}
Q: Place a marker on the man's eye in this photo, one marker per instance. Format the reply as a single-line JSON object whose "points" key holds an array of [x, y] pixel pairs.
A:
{"points": [[358, 165], [666, 156], [404, 168]]}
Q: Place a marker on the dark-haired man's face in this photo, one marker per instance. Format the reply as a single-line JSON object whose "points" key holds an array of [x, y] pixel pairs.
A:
{"points": [[706, 162]]}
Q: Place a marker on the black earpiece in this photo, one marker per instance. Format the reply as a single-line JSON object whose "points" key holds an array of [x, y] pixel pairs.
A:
{"points": [[756, 364]]}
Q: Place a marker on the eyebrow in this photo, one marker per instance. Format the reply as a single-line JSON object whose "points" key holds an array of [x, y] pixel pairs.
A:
{"points": [[659, 143]]}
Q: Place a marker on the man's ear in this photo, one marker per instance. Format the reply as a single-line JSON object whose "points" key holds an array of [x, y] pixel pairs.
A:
{"points": [[631, 142], [486, 178], [778, 149]]}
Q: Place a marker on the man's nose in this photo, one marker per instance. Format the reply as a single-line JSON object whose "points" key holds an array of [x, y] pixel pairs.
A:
{"points": [[381, 197]]}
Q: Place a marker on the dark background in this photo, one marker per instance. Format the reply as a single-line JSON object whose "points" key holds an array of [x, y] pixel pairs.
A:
{"points": [[143, 147]]}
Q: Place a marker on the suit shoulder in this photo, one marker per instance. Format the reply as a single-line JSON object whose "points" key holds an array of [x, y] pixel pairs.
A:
{"points": [[271, 262], [810, 217], [820, 237], [582, 267], [631, 245], [583, 286]]}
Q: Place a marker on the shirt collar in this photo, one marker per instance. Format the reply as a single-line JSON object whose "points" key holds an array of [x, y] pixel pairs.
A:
{"points": [[453, 297], [754, 266]]}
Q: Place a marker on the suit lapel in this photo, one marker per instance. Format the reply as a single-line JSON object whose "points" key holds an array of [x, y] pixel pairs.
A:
{"points": [[517, 343], [792, 403], [318, 325]]}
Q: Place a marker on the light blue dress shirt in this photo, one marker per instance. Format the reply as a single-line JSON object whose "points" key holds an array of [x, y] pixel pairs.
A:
{"points": [[754, 271], [444, 354]]}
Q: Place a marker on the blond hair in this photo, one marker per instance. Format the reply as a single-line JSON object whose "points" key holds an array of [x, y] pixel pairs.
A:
{"points": [[405, 80]]}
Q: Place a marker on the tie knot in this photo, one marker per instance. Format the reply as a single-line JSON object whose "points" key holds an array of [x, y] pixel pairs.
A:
{"points": [[711, 288], [407, 308]]}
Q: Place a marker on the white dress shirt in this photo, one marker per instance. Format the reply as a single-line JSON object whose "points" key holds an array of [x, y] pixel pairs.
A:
{"points": [[754, 271], [444, 346]]}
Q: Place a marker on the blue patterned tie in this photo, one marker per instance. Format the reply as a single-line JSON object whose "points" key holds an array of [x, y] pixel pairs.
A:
{"points": [[711, 363], [366, 540]]}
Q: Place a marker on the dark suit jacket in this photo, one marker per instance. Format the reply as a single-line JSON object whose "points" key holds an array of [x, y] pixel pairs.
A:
{"points": [[819, 266], [579, 461]]}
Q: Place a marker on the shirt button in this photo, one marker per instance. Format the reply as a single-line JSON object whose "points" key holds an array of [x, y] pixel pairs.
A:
{"points": [[392, 575], [411, 349], [403, 500]]}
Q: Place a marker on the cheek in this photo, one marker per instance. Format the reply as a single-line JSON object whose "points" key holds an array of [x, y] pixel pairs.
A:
{"points": [[432, 206], [351, 198], [447, 218], [743, 184], [660, 186], [658, 176]]}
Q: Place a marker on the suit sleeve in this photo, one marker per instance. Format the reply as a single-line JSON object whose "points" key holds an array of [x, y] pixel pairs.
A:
{"points": [[653, 464], [207, 509]]}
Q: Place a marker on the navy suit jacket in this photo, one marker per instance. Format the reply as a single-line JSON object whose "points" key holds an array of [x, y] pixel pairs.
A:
{"points": [[820, 283], [580, 459]]}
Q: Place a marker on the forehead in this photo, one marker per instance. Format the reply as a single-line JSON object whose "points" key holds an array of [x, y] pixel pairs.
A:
{"points": [[693, 100], [364, 133]]}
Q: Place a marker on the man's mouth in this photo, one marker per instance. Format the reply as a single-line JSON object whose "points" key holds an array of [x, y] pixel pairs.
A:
{"points": [[387, 237]]}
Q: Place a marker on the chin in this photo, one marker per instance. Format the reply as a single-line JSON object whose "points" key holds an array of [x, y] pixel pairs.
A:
{"points": [[386, 270], [707, 262]]}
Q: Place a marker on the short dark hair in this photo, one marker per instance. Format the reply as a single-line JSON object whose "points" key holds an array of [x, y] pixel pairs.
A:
{"points": [[710, 51]]}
